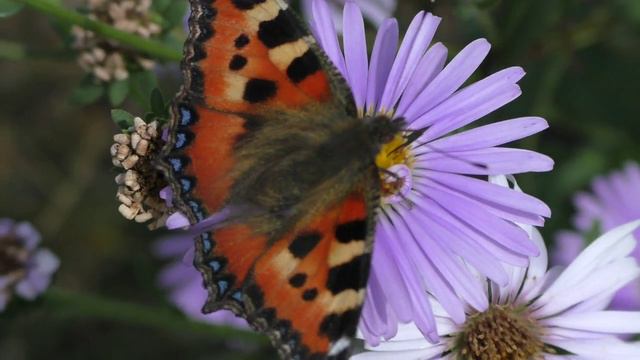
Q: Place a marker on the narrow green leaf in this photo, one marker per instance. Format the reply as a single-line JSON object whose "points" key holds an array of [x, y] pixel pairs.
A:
{"points": [[118, 91], [142, 84], [122, 118], [87, 94], [486, 4], [157, 103], [160, 5], [9, 8], [631, 9], [175, 13], [149, 117]]}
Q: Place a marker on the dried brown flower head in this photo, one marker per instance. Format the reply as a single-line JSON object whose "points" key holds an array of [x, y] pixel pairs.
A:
{"points": [[139, 184]]}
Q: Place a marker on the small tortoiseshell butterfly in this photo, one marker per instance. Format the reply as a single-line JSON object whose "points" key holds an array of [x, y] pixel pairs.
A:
{"points": [[265, 136]]}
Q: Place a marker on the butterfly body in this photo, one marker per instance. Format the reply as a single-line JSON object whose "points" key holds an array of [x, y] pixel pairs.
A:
{"points": [[295, 166], [265, 143]]}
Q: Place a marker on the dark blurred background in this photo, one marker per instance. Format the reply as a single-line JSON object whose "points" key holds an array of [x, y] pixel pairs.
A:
{"points": [[582, 60]]}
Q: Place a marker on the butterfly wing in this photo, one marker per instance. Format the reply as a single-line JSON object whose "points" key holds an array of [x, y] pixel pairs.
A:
{"points": [[251, 55], [305, 290], [242, 58]]}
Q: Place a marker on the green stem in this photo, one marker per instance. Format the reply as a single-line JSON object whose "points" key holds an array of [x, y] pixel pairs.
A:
{"points": [[69, 304], [152, 48]]}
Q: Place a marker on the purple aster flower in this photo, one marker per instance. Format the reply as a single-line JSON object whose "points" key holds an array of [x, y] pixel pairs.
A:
{"points": [[615, 200], [375, 11], [439, 223], [177, 219], [25, 269], [567, 245], [184, 282], [538, 314]]}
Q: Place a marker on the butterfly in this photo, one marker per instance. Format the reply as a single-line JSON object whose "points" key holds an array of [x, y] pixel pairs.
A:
{"points": [[265, 145]]}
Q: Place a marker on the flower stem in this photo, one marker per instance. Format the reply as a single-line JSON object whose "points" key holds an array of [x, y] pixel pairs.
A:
{"points": [[68, 304], [152, 48]]}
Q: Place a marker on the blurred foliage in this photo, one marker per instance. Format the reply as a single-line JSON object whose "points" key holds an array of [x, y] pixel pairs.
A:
{"points": [[581, 57]]}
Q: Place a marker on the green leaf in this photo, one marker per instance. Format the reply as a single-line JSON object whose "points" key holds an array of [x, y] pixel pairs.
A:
{"points": [[157, 103], [9, 8], [118, 91], [87, 93], [149, 117], [142, 84], [175, 13], [173, 40], [160, 5], [122, 118], [486, 4]]}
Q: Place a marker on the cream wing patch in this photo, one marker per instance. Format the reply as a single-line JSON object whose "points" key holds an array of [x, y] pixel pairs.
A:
{"points": [[283, 55], [264, 12], [235, 88], [343, 253]]}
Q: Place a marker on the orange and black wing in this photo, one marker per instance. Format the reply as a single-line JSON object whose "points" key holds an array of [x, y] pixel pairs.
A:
{"points": [[245, 58], [304, 290], [248, 56]]}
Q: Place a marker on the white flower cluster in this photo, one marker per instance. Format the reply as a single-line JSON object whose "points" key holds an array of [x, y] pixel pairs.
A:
{"points": [[107, 60]]}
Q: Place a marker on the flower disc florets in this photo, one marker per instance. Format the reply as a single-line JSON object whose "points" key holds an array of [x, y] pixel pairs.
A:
{"points": [[395, 162], [13, 256], [502, 332]]}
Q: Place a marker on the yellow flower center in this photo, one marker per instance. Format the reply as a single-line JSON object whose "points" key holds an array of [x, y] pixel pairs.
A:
{"points": [[393, 153]]}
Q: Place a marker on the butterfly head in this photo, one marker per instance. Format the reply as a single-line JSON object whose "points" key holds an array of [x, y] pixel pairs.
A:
{"points": [[383, 129]]}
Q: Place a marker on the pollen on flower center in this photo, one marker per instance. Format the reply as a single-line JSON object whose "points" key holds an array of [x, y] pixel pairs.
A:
{"points": [[394, 161], [12, 255], [501, 332]]}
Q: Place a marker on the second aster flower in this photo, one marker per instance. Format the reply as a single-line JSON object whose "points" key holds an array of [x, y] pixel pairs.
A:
{"points": [[539, 314]]}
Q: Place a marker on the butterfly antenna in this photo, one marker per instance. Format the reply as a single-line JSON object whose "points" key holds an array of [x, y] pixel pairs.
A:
{"points": [[410, 139], [480, 165], [414, 135]]}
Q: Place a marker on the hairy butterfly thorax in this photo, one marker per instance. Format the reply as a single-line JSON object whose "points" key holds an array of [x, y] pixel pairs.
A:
{"points": [[266, 155], [292, 169]]}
